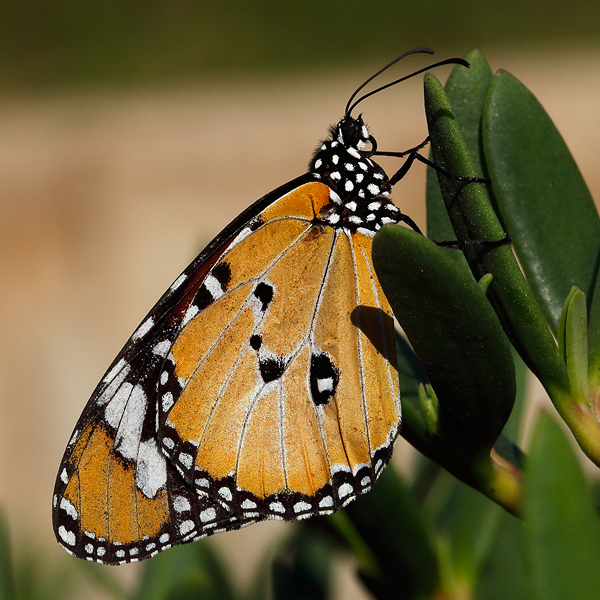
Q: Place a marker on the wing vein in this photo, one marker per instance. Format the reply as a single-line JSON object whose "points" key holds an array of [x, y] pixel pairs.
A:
{"points": [[359, 345]]}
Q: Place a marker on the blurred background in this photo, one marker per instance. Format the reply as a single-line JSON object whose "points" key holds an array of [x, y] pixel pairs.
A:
{"points": [[132, 132]]}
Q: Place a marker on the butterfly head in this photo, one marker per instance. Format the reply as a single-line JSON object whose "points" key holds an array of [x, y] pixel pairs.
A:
{"points": [[345, 166]]}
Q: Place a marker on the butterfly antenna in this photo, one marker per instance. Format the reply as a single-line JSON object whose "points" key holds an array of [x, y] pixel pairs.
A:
{"points": [[449, 61], [413, 51]]}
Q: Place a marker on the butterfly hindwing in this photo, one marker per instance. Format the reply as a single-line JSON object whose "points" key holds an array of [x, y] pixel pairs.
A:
{"points": [[117, 499], [266, 401]]}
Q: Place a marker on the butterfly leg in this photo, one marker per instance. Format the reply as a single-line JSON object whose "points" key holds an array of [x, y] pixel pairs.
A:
{"points": [[481, 243], [414, 155]]}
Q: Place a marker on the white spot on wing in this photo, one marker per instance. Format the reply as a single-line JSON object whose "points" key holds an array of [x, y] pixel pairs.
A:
{"points": [[181, 504], [225, 493], [340, 468], [117, 380], [301, 507], [186, 527], [213, 286], [277, 507], [110, 375], [345, 490], [126, 411], [373, 189], [334, 197], [190, 313], [151, 471], [354, 153], [162, 348], [210, 514], [186, 460], [178, 282], [167, 401], [326, 502], [325, 385], [68, 537], [366, 231], [68, 508], [143, 329]]}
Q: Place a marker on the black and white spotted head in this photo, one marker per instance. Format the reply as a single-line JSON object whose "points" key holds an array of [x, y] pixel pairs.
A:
{"points": [[358, 185], [346, 167]]}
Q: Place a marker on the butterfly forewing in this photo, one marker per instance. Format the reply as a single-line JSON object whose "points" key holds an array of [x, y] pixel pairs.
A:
{"points": [[264, 403]]}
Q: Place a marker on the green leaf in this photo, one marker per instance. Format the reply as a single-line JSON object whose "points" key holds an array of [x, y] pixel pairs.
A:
{"points": [[543, 200], [573, 343], [454, 332], [467, 525], [185, 572], [563, 533], [467, 90], [303, 570], [594, 347], [473, 218], [391, 525], [503, 574]]}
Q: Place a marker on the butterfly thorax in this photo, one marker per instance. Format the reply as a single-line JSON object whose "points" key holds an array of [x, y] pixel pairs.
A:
{"points": [[359, 186]]}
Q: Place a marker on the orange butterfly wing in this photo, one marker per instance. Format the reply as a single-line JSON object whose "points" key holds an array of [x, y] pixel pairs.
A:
{"points": [[279, 397], [261, 385]]}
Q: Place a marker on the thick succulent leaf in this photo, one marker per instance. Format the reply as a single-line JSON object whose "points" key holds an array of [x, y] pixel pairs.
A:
{"points": [[455, 334], [563, 532], [473, 218], [467, 90], [542, 198]]}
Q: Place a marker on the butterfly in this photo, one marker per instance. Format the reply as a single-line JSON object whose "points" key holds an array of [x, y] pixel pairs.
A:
{"points": [[262, 385]]}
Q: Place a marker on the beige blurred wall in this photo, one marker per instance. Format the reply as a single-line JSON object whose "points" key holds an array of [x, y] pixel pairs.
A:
{"points": [[106, 196]]}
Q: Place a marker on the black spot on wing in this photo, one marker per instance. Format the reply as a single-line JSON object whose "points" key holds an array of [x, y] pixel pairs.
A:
{"points": [[255, 342], [272, 368], [203, 298], [222, 273], [264, 292], [324, 378]]}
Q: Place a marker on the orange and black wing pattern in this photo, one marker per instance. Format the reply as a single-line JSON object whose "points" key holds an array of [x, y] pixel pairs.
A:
{"points": [[262, 385]]}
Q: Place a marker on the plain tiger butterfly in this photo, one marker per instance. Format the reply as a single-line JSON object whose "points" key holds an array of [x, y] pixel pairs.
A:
{"points": [[262, 385]]}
